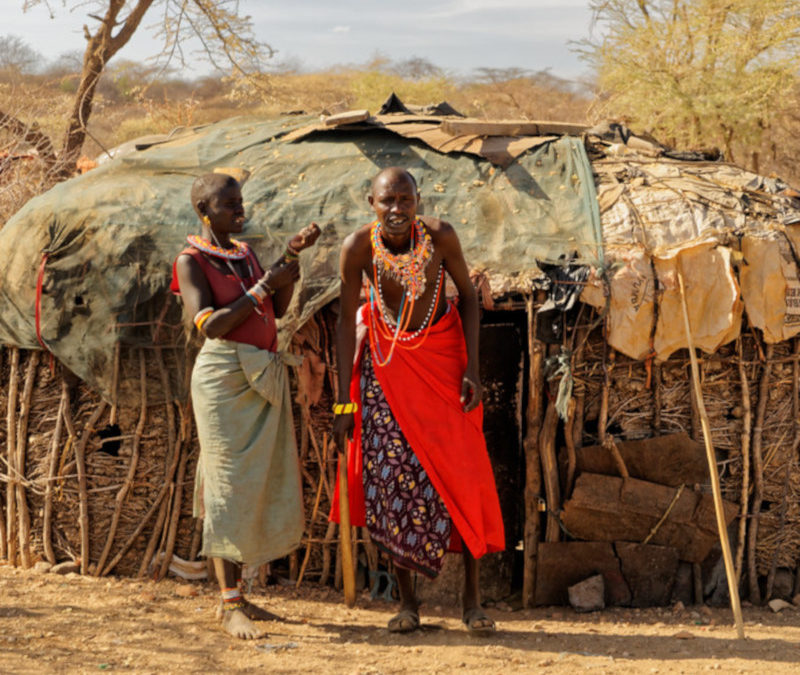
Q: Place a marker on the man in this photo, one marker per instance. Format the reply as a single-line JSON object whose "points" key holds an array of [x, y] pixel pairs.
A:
{"points": [[420, 476], [247, 487]]}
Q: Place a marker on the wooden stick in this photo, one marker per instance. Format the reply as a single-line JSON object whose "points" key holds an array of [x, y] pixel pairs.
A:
{"points": [[547, 456], [661, 520], [610, 445], [112, 416], [176, 514], [80, 461], [126, 486], [170, 466], [11, 458], [55, 446], [23, 513], [310, 533], [712, 467], [326, 553], [602, 419], [657, 399], [345, 538], [745, 445], [758, 477], [533, 473], [790, 462]]}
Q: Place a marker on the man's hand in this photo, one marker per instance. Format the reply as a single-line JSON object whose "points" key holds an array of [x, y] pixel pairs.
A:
{"points": [[343, 426], [305, 238], [281, 274], [471, 392]]}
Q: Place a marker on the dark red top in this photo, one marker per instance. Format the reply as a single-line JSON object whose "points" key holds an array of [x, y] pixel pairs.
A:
{"points": [[256, 330]]}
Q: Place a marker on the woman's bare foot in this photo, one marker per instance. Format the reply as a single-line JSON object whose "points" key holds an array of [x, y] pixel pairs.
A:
{"points": [[477, 622], [236, 622], [253, 612]]}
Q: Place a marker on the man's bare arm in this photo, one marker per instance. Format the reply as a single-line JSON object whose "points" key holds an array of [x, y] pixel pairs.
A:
{"points": [[350, 266], [468, 308]]}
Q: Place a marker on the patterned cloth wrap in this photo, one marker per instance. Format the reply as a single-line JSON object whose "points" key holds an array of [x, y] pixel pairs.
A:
{"points": [[419, 476]]}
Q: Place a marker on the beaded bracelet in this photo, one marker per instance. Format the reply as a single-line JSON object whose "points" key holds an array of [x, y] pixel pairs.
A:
{"points": [[345, 408]]}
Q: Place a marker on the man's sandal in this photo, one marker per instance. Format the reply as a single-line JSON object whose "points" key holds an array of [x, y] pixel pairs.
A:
{"points": [[478, 623], [405, 621]]}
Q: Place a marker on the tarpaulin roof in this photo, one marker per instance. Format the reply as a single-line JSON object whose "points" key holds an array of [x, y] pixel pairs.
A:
{"points": [[110, 236]]}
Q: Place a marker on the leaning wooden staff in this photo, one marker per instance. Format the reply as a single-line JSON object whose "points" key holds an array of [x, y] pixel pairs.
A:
{"points": [[712, 465], [346, 542]]}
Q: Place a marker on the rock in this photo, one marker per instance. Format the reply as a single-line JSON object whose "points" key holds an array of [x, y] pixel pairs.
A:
{"points": [[68, 567], [147, 596], [706, 611], [796, 599], [776, 605], [683, 635], [784, 584], [186, 591], [678, 607], [587, 596], [42, 566]]}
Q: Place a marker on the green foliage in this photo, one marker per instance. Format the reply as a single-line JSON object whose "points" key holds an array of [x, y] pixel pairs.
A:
{"points": [[696, 72]]}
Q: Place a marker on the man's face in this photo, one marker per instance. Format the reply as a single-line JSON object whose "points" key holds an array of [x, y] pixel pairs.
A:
{"points": [[225, 209], [394, 200]]}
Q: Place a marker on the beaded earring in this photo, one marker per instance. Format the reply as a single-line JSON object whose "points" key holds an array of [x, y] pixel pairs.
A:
{"points": [[207, 220]]}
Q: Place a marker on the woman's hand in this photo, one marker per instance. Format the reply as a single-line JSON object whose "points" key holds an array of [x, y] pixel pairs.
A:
{"points": [[281, 274], [305, 238]]}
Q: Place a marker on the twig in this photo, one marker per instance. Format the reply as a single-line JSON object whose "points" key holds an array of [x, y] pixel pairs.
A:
{"points": [[745, 446], [310, 531], [126, 486], [665, 516], [22, 448], [80, 460], [51, 477], [758, 477]]}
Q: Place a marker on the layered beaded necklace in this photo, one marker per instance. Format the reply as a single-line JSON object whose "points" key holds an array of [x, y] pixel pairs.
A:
{"points": [[409, 270], [238, 252], [406, 268]]}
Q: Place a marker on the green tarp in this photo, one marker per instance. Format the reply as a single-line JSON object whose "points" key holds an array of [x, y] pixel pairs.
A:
{"points": [[111, 235]]}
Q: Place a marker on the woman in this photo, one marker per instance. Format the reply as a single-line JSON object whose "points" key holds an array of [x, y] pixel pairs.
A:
{"points": [[247, 488]]}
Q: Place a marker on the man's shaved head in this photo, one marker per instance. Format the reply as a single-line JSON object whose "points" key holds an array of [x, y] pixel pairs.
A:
{"points": [[392, 174], [207, 185]]}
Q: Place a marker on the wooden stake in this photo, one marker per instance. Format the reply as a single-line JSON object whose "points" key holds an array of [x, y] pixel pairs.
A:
{"points": [[547, 455], [745, 445], [24, 529], [790, 462], [126, 486], [345, 538], [11, 459], [533, 474], [176, 513], [758, 477], [712, 467], [52, 469], [80, 462]]}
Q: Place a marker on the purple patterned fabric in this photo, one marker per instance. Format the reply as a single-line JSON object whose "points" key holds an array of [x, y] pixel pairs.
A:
{"points": [[405, 515]]}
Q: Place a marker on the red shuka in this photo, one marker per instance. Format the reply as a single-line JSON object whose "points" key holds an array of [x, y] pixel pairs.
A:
{"points": [[259, 331], [423, 389]]}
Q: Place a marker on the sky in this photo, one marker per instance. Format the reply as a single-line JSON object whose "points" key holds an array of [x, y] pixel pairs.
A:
{"points": [[456, 35]]}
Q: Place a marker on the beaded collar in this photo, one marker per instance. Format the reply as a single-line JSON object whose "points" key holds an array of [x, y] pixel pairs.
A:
{"points": [[406, 268], [238, 252]]}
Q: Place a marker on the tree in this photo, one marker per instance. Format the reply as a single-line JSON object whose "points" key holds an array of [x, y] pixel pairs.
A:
{"points": [[17, 57], [226, 38], [697, 72]]}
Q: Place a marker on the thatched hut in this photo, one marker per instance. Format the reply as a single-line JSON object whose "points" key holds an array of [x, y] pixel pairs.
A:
{"points": [[575, 236]]}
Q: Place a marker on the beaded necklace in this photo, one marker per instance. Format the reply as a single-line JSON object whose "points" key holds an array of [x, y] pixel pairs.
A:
{"points": [[238, 252], [406, 268], [409, 270]]}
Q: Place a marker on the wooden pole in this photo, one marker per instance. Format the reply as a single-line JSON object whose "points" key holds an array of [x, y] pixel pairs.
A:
{"points": [[745, 445], [83, 495], [23, 513], [712, 467], [52, 470], [533, 473], [11, 459], [345, 535]]}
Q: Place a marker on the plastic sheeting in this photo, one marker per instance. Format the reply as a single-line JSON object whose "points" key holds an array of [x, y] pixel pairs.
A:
{"points": [[111, 234]]}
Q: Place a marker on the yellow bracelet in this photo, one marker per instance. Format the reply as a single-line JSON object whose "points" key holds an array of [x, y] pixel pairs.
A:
{"points": [[345, 408]]}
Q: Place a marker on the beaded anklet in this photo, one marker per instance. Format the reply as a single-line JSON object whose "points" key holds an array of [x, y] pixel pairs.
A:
{"points": [[232, 599]]}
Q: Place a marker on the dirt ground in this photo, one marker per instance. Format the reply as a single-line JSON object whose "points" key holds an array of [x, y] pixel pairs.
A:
{"points": [[73, 624]]}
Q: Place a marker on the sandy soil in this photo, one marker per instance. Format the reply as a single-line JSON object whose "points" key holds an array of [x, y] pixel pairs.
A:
{"points": [[51, 623]]}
